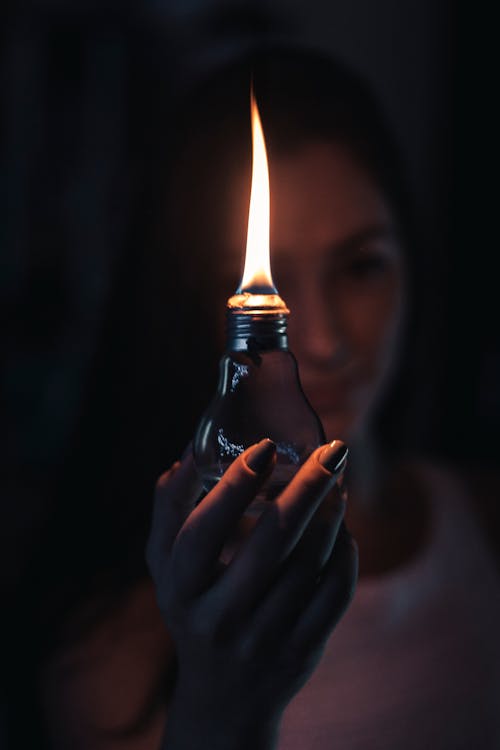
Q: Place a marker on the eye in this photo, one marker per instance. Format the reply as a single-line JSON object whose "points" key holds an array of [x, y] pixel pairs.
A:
{"points": [[367, 267]]}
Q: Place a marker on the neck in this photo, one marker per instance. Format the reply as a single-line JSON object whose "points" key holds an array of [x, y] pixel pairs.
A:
{"points": [[387, 509], [364, 474]]}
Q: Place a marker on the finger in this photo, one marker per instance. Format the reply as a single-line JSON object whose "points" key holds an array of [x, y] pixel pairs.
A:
{"points": [[204, 533], [176, 494], [332, 597], [280, 528], [297, 581], [319, 536]]}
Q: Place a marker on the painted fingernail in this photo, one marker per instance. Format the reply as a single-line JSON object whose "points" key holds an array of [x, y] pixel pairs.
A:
{"points": [[334, 457], [260, 456]]}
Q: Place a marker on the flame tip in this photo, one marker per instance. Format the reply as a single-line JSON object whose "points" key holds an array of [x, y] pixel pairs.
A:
{"points": [[257, 271]]}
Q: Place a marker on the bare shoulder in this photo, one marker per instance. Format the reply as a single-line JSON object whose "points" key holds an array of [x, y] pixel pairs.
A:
{"points": [[109, 688]]}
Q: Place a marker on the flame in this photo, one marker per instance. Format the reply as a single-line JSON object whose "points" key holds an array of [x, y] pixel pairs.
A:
{"points": [[257, 277]]}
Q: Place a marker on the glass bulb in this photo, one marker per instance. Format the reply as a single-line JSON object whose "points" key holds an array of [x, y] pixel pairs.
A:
{"points": [[259, 395]]}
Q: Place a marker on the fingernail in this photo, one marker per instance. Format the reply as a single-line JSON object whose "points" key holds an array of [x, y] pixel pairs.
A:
{"points": [[334, 457], [260, 456]]}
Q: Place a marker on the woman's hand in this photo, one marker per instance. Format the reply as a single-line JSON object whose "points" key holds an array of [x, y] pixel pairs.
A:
{"points": [[248, 634]]}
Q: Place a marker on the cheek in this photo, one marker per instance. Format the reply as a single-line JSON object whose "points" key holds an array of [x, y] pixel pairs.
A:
{"points": [[372, 317]]}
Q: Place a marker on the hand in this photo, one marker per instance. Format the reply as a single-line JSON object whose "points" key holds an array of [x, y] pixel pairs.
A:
{"points": [[248, 634]]}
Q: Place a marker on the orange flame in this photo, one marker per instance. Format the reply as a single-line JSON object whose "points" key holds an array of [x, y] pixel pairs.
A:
{"points": [[257, 277]]}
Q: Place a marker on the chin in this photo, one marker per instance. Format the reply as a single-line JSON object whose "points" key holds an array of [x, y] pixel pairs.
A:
{"points": [[343, 424]]}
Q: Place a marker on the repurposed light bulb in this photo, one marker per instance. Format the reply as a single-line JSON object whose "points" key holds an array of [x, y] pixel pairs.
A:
{"points": [[259, 392], [259, 395]]}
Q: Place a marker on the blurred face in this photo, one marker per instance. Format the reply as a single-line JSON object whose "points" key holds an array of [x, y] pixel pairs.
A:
{"points": [[336, 261]]}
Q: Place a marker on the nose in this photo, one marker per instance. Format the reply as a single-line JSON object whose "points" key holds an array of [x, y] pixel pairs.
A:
{"points": [[315, 330]]}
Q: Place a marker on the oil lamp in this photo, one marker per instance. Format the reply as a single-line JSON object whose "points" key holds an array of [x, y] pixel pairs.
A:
{"points": [[259, 392]]}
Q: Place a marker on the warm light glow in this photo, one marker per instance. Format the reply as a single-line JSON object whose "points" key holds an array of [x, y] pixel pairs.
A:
{"points": [[257, 277]]}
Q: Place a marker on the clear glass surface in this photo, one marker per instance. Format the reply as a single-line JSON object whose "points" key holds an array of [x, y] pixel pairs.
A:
{"points": [[258, 396]]}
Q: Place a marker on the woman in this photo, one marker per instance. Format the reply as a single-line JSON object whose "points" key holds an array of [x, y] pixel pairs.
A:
{"points": [[400, 667], [408, 662]]}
